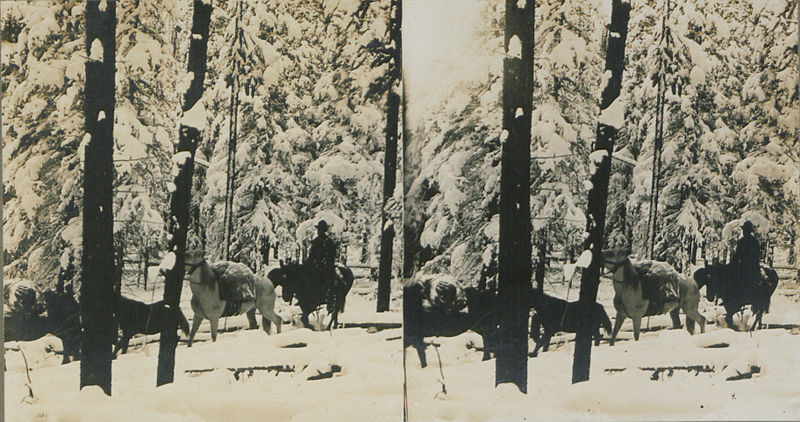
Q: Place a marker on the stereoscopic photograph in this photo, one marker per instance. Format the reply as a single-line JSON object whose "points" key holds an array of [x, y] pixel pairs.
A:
{"points": [[198, 210], [400, 210]]}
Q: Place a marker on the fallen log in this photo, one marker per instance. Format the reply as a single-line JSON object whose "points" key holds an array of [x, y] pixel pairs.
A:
{"points": [[249, 370], [327, 374], [379, 326]]}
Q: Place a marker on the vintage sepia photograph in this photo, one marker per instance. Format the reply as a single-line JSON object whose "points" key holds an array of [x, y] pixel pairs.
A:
{"points": [[601, 210], [400, 210], [198, 210]]}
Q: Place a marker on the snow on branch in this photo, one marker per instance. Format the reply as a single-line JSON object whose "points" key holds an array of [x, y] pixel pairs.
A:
{"points": [[614, 115], [195, 117]]}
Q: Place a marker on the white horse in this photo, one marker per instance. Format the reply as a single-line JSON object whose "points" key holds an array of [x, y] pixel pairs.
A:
{"points": [[206, 303], [630, 302]]}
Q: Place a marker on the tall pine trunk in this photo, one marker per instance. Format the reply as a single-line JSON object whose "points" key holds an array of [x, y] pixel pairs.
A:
{"points": [[181, 197], [515, 216], [390, 162], [97, 272], [607, 128]]}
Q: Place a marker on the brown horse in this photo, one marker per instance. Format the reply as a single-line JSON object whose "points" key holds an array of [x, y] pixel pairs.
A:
{"points": [[637, 286], [206, 302]]}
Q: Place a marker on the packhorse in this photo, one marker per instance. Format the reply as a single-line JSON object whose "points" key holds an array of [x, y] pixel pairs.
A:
{"points": [[206, 282], [297, 281], [134, 317], [649, 288], [554, 314], [721, 280]]}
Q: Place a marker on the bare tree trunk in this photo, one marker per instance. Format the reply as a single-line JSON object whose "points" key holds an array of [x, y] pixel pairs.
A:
{"points": [[387, 226], [598, 194], [393, 101], [181, 197], [97, 269], [233, 124], [514, 281]]}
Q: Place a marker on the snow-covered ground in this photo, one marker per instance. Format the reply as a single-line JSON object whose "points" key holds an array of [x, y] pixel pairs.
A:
{"points": [[367, 375], [621, 385], [366, 365]]}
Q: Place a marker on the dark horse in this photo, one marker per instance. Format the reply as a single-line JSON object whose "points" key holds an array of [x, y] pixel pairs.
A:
{"points": [[64, 321], [296, 282], [722, 280], [136, 317], [420, 321], [556, 314]]}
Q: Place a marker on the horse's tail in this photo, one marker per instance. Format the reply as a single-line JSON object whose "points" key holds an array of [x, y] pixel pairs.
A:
{"points": [[182, 322]]}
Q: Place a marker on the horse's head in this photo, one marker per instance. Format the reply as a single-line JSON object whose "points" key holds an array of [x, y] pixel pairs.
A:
{"points": [[286, 277], [708, 276], [194, 258], [614, 258]]}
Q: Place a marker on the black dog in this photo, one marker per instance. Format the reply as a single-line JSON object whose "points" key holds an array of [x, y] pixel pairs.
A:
{"points": [[556, 314], [136, 317]]}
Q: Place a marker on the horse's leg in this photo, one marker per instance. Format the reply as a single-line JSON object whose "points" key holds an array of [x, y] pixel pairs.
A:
{"points": [[304, 319], [125, 341], [692, 316], [196, 320], [420, 346], [637, 325], [214, 326], [270, 316], [618, 320], [675, 314], [251, 318], [757, 320], [546, 339]]}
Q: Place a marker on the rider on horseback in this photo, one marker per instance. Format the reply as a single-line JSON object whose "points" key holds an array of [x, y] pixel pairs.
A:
{"points": [[746, 257], [321, 262]]}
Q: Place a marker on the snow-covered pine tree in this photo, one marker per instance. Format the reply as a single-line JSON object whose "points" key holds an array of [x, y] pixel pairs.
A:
{"points": [[43, 129], [308, 143], [568, 68]]}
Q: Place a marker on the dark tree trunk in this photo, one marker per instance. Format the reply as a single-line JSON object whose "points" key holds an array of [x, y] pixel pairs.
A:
{"points": [[515, 217], [233, 124], [389, 178], [181, 197], [598, 194], [97, 267], [393, 101]]}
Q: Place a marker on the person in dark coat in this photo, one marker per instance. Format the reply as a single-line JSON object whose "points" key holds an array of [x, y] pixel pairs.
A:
{"points": [[746, 257], [322, 258]]}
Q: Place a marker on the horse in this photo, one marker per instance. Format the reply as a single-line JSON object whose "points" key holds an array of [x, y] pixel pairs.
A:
{"points": [[134, 317], [436, 311], [295, 281], [204, 281], [637, 286], [556, 314], [64, 321], [720, 280]]}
